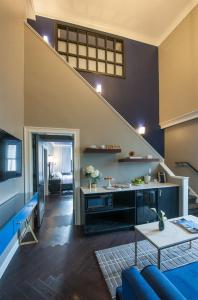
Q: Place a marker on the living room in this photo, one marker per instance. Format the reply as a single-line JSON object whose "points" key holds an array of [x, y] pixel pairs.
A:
{"points": [[133, 115]]}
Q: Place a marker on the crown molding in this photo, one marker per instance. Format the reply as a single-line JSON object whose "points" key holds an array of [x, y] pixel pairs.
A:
{"points": [[180, 119], [177, 21], [124, 32], [105, 28]]}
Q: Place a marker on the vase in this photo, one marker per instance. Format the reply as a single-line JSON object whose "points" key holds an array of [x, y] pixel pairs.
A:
{"points": [[161, 225], [90, 184], [94, 186]]}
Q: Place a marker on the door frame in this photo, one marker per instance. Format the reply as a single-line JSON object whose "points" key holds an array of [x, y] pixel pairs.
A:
{"points": [[28, 161]]}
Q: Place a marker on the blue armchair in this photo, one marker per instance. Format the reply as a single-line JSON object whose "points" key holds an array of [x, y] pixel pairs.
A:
{"points": [[151, 284]]}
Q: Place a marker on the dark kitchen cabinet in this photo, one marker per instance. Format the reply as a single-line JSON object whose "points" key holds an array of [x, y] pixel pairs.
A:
{"points": [[118, 210], [168, 201], [145, 200], [109, 211]]}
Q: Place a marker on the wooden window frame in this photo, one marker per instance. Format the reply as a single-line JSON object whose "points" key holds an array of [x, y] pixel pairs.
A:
{"points": [[96, 34]]}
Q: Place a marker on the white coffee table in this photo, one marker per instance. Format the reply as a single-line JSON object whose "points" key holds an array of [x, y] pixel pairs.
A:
{"points": [[171, 236]]}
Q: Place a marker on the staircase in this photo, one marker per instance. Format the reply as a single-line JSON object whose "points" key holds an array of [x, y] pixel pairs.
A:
{"points": [[193, 204]]}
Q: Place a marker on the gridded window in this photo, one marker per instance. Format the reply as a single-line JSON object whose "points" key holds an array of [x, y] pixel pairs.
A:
{"points": [[90, 51]]}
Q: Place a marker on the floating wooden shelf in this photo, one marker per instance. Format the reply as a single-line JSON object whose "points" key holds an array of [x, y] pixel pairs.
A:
{"points": [[132, 160], [100, 150]]}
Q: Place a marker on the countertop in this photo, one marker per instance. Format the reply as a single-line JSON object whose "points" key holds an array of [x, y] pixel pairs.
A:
{"points": [[151, 185]]}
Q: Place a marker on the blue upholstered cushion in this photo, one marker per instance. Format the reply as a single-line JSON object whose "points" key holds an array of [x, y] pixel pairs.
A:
{"points": [[135, 287], [185, 278], [164, 288], [119, 293]]}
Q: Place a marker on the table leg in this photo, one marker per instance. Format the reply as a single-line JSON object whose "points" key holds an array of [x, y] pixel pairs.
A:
{"points": [[159, 259], [136, 248]]}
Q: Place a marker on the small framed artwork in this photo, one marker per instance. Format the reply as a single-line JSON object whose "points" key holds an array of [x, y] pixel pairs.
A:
{"points": [[161, 177]]}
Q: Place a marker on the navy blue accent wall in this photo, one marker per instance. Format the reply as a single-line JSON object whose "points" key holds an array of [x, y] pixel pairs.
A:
{"points": [[135, 97]]}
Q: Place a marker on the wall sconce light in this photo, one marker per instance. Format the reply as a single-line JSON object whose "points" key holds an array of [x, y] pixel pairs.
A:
{"points": [[141, 130], [45, 37], [99, 88]]}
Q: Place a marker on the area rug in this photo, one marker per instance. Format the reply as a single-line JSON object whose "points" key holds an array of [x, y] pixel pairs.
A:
{"points": [[113, 260]]}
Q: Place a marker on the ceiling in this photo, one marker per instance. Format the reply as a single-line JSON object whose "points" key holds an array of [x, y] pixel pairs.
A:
{"points": [[149, 21]]}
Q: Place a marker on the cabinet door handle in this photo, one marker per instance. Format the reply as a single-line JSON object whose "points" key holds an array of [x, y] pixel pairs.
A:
{"points": [[160, 193]]}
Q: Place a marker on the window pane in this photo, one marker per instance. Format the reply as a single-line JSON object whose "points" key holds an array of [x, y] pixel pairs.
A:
{"points": [[110, 68], [101, 54], [118, 46], [101, 67], [110, 44], [62, 46], [119, 58], [82, 37], [11, 151], [73, 61], [101, 42], [119, 70], [92, 52], [72, 48], [91, 65], [82, 63], [72, 35], [62, 33], [91, 40], [11, 165], [82, 50], [110, 56]]}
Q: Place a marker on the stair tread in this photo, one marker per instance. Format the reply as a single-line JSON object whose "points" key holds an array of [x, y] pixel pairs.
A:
{"points": [[193, 206]]}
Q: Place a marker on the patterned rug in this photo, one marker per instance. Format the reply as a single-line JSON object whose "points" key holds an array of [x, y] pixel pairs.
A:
{"points": [[113, 260]]}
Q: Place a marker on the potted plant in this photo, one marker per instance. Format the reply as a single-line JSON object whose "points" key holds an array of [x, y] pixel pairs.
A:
{"points": [[93, 175], [161, 217]]}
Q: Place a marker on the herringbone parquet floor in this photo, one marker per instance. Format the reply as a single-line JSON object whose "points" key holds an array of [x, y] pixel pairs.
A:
{"points": [[63, 265]]}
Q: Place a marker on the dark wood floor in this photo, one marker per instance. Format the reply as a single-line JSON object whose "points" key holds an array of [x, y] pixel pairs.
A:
{"points": [[63, 264]]}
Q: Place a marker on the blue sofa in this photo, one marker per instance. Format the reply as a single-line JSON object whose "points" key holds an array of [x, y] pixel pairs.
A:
{"points": [[151, 284]]}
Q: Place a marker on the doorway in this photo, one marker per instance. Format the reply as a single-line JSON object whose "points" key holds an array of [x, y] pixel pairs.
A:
{"points": [[54, 178], [53, 175]]}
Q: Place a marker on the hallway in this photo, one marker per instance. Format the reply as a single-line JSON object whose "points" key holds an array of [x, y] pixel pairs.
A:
{"points": [[63, 265]]}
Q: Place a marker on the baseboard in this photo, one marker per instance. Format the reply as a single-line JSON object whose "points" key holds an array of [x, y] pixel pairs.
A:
{"points": [[8, 258]]}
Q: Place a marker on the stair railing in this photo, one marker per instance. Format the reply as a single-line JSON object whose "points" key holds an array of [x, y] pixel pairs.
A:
{"points": [[186, 164]]}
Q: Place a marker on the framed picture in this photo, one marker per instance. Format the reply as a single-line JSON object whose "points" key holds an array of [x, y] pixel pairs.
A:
{"points": [[161, 177]]}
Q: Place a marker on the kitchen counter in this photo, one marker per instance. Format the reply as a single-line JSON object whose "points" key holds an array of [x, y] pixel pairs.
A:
{"points": [[151, 185]]}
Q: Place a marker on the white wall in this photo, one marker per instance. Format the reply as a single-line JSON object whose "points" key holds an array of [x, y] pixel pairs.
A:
{"points": [[181, 144], [56, 96], [12, 80]]}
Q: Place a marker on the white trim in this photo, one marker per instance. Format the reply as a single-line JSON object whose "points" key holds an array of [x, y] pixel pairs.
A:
{"points": [[9, 258], [183, 183], [180, 119], [166, 169], [30, 10], [28, 159], [94, 91]]}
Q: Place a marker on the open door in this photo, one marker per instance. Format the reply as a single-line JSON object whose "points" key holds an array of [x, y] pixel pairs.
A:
{"points": [[39, 176]]}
